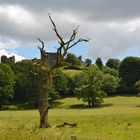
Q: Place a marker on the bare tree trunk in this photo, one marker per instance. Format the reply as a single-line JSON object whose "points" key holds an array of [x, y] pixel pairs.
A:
{"points": [[43, 106], [43, 93]]}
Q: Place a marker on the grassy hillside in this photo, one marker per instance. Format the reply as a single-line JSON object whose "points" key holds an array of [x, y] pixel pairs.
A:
{"points": [[117, 119], [71, 73]]}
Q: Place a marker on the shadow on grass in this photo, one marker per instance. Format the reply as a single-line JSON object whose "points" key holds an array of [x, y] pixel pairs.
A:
{"points": [[78, 106], [83, 106], [55, 104], [20, 106], [122, 95], [138, 106], [27, 106], [128, 95], [104, 105]]}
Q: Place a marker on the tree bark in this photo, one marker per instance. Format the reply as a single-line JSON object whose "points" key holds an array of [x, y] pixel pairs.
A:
{"points": [[43, 106], [43, 93]]}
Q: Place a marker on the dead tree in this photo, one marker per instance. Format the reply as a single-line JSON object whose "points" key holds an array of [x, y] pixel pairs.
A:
{"points": [[43, 89], [64, 46], [62, 51]]}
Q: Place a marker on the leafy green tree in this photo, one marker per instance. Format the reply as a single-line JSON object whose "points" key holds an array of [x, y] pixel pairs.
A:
{"points": [[25, 86], [53, 95], [88, 62], [72, 59], [89, 86], [71, 85], [7, 81], [137, 85], [99, 63], [113, 63], [129, 70], [110, 83], [111, 71], [60, 81]]}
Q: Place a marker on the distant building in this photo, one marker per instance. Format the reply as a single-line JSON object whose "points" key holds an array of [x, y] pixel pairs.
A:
{"points": [[5, 59], [50, 58]]}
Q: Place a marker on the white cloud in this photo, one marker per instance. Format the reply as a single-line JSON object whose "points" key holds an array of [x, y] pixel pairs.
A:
{"points": [[17, 14], [112, 39], [7, 43], [113, 25]]}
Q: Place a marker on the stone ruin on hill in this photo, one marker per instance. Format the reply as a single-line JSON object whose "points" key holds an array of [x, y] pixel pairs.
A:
{"points": [[5, 59], [52, 57]]}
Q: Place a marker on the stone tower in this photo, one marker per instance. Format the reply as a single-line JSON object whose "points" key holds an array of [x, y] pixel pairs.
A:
{"points": [[51, 58], [5, 59]]}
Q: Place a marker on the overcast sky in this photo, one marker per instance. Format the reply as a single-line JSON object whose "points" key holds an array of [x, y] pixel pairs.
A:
{"points": [[112, 25]]}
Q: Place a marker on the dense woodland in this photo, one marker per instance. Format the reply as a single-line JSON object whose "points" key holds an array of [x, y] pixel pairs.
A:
{"points": [[89, 82]]}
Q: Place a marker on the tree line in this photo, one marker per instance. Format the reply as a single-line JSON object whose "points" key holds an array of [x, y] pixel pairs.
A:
{"points": [[17, 83]]}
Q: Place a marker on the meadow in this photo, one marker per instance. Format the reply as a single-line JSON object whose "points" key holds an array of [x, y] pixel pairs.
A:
{"points": [[117, 119]]}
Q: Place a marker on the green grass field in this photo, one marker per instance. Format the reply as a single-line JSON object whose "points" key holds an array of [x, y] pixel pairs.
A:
{"points": [[117, 119], [71, 73]]}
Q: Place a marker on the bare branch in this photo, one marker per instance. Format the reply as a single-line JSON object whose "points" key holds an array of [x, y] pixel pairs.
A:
{"points": [[41, 43], [55, 29], [78, 41], [75, 31], [42, 50], [72, 38], [65, 46]]}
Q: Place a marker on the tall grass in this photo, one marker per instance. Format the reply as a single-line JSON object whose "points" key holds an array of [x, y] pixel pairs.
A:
{"points": [[117, 119]]}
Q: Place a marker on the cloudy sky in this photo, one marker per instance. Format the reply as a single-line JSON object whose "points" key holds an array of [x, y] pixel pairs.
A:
{"points": [[112, 25]]}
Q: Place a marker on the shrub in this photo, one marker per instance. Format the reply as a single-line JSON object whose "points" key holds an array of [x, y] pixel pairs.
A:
{"points": [[60, 81], [110, 83]]}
